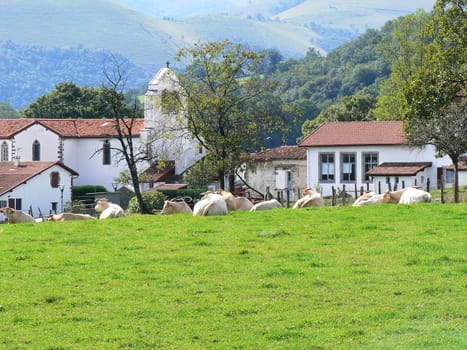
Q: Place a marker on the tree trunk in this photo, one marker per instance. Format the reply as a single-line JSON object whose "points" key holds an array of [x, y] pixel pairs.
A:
{"points": [[232, 182], [221, 174], [456, 181], [139, 195]]}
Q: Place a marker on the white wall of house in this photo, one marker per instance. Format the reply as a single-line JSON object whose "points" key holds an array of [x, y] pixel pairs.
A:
{"points": [[83, 156], [38, 192], [393, 153], [48, 141], [463, 178]]}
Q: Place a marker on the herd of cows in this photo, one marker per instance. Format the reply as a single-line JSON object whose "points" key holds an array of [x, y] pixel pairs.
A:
{"points": [[221, 202]]}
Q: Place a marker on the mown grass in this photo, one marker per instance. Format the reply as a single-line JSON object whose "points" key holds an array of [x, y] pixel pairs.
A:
{"points": [[380, 277]]}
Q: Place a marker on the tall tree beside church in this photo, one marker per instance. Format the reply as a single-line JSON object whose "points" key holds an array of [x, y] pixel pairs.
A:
{"points": [[228, 104], [435, 94], [125, 125]]}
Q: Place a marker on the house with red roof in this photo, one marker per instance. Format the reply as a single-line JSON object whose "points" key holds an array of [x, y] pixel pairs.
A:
{"points": [[40, 187], [89, 148], [85, 145], [369, 154]]}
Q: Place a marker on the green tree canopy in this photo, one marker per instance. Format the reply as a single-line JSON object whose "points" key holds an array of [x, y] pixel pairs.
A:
{"points": [[67, 100], [435, 94], [227, 102], [405, 45]]}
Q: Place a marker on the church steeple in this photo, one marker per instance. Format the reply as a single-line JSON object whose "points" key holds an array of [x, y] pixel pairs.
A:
{"points": [[164, 81]]}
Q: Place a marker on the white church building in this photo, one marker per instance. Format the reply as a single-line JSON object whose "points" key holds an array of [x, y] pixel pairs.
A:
{"points": [[75, 152]]}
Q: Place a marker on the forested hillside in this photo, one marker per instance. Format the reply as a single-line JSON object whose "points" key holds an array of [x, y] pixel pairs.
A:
{"points": [[31, 71], [44, 42], [316, 82]]}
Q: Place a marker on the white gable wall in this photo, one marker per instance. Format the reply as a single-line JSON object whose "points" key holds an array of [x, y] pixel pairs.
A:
{"points": [[82, 155], [49, 143], [385, 154]]}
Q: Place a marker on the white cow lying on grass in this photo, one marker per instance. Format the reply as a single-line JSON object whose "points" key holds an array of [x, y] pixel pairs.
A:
{"points": [[13, 216], [108, 209], [171, 207], [369, 198], [70, 216], [413, 195], [235, 203], [266, 205], [310, 199], [408, 195], [210, 204]]}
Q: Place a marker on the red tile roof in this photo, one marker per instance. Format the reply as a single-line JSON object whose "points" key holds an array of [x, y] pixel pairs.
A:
{"points": [[282, 152], [398, 169], [356, 134], [11, 176], [68, 128]]}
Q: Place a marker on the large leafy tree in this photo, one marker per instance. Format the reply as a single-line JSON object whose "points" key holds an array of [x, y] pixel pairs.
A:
{"points": [[229, 106], [405, 45], [67, 100], [435, 94]]}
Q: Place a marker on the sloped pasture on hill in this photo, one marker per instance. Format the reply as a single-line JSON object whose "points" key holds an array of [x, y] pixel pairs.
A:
{"points": [[386, 277]]}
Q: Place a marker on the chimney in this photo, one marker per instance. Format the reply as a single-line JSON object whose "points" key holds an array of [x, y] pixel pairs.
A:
{"points": [[16, 161]]}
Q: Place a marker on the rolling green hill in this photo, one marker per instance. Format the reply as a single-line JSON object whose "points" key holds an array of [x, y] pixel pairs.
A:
{"points": [[145, 40], [81, 30]]}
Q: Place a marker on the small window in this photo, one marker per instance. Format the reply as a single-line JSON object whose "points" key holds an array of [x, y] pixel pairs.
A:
{"points": [[36, 151], [348, 167], [18, 204], [370, 161], [326, 167], [54, 179], [4, 152], [106, 153]]}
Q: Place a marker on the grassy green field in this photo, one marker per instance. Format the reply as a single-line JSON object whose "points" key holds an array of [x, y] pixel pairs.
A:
{"points": [[377, 277]]}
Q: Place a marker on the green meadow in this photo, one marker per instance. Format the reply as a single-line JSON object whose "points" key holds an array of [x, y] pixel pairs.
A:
{"points": [[376, 277]]}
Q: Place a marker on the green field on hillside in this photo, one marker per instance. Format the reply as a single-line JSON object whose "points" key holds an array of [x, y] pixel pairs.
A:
{"points": [[376, 277]]}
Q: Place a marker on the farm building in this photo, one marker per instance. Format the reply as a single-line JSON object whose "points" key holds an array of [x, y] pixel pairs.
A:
{"points": [[277, 169], [40, 187], [367, 154]]}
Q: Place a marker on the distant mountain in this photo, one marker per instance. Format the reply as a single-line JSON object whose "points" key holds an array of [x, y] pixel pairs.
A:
{"points": [[354, 15], [149, 32], [179, 9], [29, 71]]}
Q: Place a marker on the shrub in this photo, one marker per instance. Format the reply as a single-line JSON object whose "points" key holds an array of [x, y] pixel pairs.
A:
{"points": [[153, 201]]}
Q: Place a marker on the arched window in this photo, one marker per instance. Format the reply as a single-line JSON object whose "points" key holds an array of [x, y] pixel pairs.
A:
{"points": [[4, 152], [106, 153], [36, 151]]}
